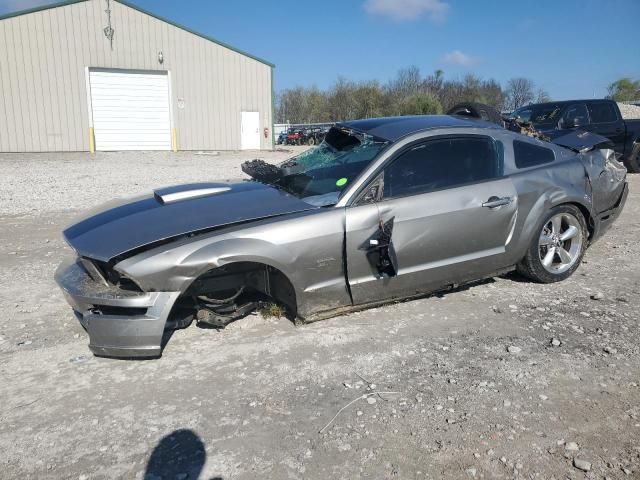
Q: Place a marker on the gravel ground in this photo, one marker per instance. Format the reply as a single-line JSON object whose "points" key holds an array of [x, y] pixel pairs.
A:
{"points": [[629, 112], [503, 379], [36, 182]]}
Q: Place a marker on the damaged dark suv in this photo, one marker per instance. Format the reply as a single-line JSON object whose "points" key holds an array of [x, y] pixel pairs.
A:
{"points": [[383, 209]]}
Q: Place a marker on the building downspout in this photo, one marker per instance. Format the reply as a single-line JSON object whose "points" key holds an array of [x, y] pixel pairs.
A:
{"points": [[92, 137]]}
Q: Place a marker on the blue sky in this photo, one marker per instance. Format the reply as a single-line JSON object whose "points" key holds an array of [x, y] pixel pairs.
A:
{"points": [[571, 48]]}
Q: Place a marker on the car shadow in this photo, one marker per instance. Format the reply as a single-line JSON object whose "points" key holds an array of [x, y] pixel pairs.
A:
{"points": [[179, 455], [463, 287], [516, 277]]}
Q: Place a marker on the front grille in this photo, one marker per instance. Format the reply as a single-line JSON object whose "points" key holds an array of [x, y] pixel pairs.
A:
{"points": [[120, 311]]}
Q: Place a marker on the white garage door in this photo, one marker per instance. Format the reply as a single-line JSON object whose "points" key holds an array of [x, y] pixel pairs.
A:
{"points": [[130, 110]]}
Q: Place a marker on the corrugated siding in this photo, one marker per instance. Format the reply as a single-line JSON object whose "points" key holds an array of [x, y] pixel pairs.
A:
{"points": [[43, 97]]}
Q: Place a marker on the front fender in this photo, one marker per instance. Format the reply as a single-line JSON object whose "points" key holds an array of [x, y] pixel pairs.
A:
{"points": [[307, 249], [175, 267], [225, 252]]}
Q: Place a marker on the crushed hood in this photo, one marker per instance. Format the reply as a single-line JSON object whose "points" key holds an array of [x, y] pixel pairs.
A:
{"points": [[125, 225]]}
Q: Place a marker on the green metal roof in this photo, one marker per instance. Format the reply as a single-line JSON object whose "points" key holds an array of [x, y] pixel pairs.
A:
{"points": [[146, 12]]}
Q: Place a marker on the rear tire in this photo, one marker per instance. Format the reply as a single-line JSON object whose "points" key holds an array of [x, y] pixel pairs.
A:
{"points": [[633, 161], [311, 142], [558, 246]]}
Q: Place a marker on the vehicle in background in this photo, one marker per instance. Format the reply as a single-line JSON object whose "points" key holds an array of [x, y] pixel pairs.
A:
{"points": [[601, 117], [294, 136], [306, 136], [314, 135], [282, 138]]}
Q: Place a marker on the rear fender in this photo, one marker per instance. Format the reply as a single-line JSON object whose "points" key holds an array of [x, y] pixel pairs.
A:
{"points": [[570, 185], [606, 176]]}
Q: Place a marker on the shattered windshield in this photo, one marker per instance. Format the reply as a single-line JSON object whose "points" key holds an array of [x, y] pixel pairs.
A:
{"points": [[320, 174], [547, 113]]}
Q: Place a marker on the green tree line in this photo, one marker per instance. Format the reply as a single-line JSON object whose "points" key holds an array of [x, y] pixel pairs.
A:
{"points": [[625, 90]]}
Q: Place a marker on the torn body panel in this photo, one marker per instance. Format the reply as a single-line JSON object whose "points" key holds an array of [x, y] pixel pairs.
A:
{"points": [[606, 176], [608, 186]]}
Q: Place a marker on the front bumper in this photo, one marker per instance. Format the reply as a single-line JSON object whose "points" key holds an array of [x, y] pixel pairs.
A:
{"points": [[120, 323]]}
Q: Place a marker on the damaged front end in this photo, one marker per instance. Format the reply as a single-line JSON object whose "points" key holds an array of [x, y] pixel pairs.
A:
{"points": [[122, 321]]}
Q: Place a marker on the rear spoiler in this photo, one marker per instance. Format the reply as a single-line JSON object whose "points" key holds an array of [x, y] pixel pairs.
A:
{"points": [[579, 141]]}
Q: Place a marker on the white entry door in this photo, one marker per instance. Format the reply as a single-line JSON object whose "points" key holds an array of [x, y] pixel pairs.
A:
{"points": [[130, 110], [250, 131]]}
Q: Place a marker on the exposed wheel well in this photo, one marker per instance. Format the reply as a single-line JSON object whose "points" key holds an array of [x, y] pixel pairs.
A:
{"points": [[258, 279]]}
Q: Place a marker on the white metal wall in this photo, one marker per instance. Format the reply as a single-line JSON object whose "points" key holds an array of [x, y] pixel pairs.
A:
{"points": [[43, 87]]}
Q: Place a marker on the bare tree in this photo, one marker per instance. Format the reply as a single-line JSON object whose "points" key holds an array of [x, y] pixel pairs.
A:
{"points": [[342, 101], [432, 84], [407, 93], [493, 94], [542, 96], [407, 82], [519, 92]]}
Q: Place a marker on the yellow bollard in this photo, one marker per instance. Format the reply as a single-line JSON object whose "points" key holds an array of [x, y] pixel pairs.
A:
{"points": [[92, 141], [174, 140]]}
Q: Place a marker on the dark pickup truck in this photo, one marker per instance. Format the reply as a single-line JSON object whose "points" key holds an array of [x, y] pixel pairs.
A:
{"points": [[598, 116]]}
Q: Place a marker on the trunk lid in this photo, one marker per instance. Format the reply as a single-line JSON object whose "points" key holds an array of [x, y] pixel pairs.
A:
{"points": [[577, 140]]}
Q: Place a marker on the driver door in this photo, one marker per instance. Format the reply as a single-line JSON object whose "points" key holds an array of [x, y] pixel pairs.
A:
{"points": [[447, 212]]}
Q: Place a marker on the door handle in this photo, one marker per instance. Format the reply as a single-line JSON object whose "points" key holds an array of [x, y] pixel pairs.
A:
{"points": [[495, 202]]}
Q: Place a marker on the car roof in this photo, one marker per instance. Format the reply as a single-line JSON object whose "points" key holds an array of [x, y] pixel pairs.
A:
{"points": [[394, 128], [565, 102]]}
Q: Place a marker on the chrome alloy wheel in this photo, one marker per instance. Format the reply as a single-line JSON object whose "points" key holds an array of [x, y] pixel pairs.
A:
{"points": [[560, 243]]}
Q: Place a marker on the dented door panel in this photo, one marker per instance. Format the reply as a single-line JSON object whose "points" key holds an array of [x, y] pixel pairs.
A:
{"points": [[438, 238]]}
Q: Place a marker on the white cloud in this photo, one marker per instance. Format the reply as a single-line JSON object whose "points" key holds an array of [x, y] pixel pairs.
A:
{"points": [[18, 5], [458, 58], [403, 10]]}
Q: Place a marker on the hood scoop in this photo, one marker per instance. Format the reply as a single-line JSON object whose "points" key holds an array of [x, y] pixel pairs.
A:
{"points": [[180, 193]]}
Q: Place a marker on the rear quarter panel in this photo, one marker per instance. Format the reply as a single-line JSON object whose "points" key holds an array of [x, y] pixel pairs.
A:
{"points": [[541, 188]]}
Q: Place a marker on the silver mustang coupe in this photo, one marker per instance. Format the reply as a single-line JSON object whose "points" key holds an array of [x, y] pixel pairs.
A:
{"points": [[383, 209]]}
